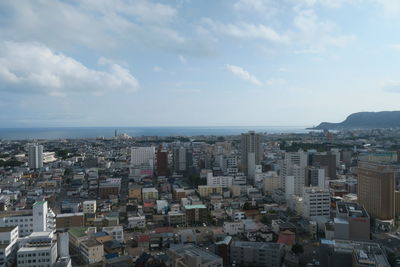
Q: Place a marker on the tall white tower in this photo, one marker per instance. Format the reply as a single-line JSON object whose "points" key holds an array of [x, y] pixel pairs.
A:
{"points": [[35, 156]]}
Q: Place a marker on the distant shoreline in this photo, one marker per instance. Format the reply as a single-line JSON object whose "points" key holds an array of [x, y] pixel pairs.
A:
{"points": [[107, 132]]}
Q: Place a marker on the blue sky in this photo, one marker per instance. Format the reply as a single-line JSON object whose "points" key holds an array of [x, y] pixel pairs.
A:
{"points": [[196, 62]]}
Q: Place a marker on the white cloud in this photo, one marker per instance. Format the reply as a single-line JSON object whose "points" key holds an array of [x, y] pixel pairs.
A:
{"points": [[391, 86], [157, 69], [391, 7], [97, 24], [247, 31], [33, 66], [243, 74], [182, 59]]}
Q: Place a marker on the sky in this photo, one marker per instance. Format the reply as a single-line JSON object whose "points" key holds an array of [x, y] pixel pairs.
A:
{"points": [[196, 62]]}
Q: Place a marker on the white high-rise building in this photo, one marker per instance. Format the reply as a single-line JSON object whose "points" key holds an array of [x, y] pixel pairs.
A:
{"points": [[294, 183], [299, 158], [37, 250], [35, 156], [143, 156], [316, 202], [39, 219], [8, 245]]}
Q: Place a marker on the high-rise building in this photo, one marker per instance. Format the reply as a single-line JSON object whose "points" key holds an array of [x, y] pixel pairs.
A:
{"points": [[326, 161], [162, 162], [299, 158], [295, 182], [315, 177], [179, 159], [35, 156], [251, 153], [376, 189], [316, 202], [143, 156]]}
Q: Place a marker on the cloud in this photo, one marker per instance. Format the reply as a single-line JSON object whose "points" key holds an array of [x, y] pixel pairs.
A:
{"points": [[392, 86], [182, 59], [35, 67], [97, 24], [247, 31], [243, 74], [157, 69], [390, 7]]}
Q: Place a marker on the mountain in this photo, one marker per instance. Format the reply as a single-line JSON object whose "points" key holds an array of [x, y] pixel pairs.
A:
{"points": [[365, 120]]}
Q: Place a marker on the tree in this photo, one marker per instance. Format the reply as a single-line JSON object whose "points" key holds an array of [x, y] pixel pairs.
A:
{"points": [[297, 249], [265, 219]]}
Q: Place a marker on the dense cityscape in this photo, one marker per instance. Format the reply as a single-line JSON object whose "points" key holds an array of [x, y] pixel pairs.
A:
{"points": [[255, 199]]}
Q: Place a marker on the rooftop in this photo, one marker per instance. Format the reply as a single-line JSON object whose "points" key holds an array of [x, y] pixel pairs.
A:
{"points": [[91, 243], [191, 250], [78, 231], [200, 206], [7, 229]]}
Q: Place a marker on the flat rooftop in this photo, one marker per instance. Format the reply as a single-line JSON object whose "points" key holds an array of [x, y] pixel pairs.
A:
{"points": [[191, 250], [7, 229]]}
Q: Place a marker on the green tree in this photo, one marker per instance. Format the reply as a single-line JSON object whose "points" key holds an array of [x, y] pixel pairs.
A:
{"points": [[266, 220], [297, 249]]}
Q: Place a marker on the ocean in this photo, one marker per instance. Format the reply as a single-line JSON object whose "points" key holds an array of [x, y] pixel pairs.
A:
{"points": [[93, 132]]}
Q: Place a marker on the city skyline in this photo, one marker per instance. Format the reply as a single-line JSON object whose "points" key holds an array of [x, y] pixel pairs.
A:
{"points": [[196, 63]]}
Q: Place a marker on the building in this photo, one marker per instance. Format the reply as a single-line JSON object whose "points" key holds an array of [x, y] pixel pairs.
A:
{"points": [[176, 218], [206, 190], [326, 161], [316, 202], [299, 158], [352, 222], [143, 156], [109, 187], [233, 228], [89, 206], [162, 162], [117, 232], [271, 182], [135, 191], [35, 156], [149, 194], [196, 214], [315, 177], [376, 189], [68, 220], [251, 153], [295, 182], [340, 253], [223, 181], [256, 253], [180, 159], [179, 193], [39, 219], [92, 251], [190, 255], [38, 249], [8, 245]]}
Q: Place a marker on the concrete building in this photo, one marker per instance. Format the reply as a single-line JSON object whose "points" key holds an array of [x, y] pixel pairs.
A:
{"points": [[117, 232], [149, 194], [256, 253], [299, 158], [316, 202], [295, 182], [222, 181], [340, 253], [39, 219], [109, 187], [251, 153], [89, 206], [326, 161], [376, 189], [38, 249], [8, 245], [352, 222], [92, 251], [162, 162], [35, 156], [315, 177], [135, 191], [196, 214], [190, 255], [176, 218], [233, 228], [68, 220], [143, 156], [271, 182], [206, 190]]}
